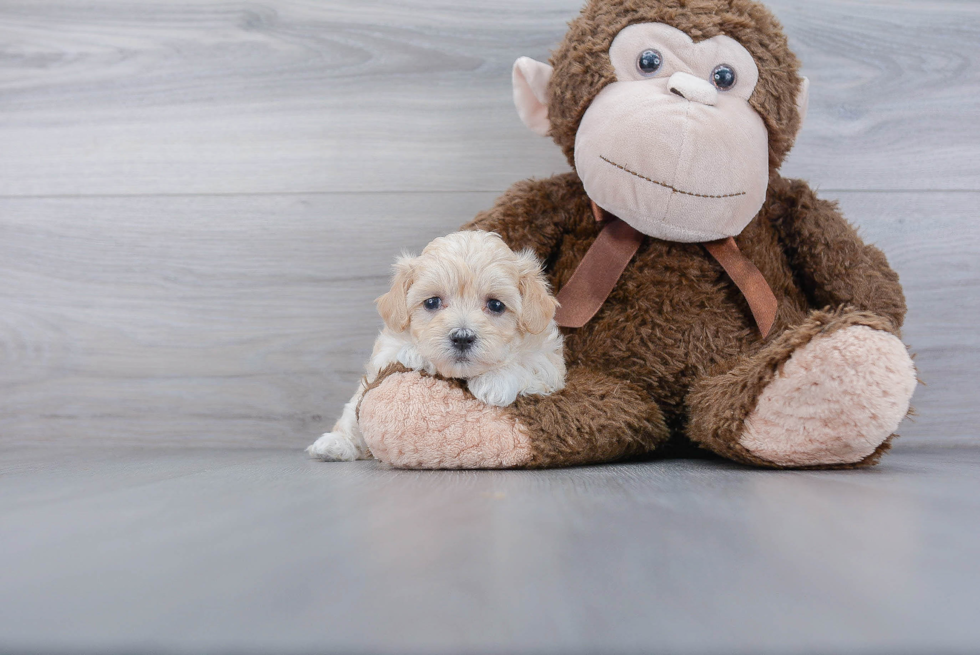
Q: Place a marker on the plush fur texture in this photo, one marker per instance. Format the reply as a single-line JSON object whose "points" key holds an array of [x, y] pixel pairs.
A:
{"points": [[673, 357]]}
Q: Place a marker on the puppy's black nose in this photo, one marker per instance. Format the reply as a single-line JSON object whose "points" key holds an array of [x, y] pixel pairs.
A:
{"points": [[462, 338]]}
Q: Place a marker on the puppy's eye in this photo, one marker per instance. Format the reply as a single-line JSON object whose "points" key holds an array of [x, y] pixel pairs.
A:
{"points": [[649, 62], [432, 304], [723, 77], [494, 306]]}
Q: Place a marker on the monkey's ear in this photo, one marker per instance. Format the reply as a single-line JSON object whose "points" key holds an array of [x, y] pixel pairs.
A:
{"points": [[531, 93], [803, 102], [393, 306]]}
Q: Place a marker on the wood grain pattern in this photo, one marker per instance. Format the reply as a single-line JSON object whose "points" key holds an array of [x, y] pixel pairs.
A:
{"points": [[168, 281], [246, 320], [122, 97]]}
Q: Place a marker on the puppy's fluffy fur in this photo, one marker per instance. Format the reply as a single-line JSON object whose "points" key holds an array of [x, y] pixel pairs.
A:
{"points": [[468, 307]]}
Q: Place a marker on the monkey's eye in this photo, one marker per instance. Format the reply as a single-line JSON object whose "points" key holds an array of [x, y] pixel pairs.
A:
{"points": [[494, 306], [649, 62], [432, 304], [723, 77]]}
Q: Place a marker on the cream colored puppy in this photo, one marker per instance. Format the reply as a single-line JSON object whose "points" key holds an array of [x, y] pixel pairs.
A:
{"points": [[468, 307]]}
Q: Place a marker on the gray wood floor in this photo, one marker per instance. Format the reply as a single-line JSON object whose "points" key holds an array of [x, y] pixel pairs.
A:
{"points": [[265, 552], [199, 201]]}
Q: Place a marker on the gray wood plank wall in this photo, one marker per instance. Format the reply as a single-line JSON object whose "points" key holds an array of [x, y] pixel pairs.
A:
{"points": [[199, 200]]}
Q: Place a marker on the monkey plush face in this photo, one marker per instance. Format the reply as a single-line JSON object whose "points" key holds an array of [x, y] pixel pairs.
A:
{"points": [[673, 147], [672, 139]]}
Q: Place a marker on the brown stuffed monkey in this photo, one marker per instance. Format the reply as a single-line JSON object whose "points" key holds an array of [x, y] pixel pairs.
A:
{"points": [[706, 300]]}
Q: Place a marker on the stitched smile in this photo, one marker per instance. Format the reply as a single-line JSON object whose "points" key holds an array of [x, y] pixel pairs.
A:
{"points": [[667, 186]]}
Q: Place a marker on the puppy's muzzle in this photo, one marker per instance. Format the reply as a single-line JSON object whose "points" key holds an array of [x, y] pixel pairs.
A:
{"points": [[462, 339]]}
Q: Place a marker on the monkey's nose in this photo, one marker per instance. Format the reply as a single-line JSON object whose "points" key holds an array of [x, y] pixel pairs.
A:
{"points": [[462, 338], [693, 88]]}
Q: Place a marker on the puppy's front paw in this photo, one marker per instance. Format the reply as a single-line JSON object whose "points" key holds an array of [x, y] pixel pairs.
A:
{"points": [[494, 389], [334, 447]]}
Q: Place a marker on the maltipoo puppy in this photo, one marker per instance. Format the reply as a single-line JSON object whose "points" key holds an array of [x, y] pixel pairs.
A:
{"points": [[468, 307]]}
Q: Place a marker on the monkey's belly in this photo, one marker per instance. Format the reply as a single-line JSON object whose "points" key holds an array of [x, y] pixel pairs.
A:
{"points": [[673, 317]]}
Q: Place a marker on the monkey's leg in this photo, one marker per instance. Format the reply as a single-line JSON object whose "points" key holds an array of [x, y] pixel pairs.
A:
{"points": [[828, 393], [414, 421]]}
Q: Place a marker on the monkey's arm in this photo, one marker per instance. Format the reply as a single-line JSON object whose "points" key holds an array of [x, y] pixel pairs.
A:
{"points": [[835, 267], [535, 214], [414, 421]]}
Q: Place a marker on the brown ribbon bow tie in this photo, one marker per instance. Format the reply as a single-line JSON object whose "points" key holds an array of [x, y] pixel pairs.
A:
{"points": [[610, 254]]}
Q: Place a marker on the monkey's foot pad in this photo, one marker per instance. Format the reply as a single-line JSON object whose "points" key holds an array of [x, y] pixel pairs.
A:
{"points": [[413, 421], [835, 401]]}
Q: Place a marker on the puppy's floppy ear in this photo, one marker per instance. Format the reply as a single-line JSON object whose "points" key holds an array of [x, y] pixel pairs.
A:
{"points": [[537, 304], [393, 306]]}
